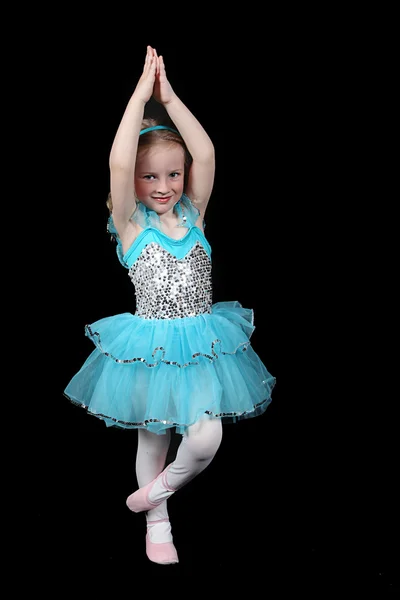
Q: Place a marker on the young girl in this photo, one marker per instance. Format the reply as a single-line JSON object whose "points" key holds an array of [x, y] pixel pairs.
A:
{"points": [[180, 362]]}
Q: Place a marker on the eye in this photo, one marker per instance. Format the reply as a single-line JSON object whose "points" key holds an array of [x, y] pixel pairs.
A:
{"points": [[148, 177], [174, 175]]}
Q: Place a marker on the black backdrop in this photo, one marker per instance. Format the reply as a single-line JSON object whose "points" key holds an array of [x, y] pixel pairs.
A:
{"points": [[301, 493]]}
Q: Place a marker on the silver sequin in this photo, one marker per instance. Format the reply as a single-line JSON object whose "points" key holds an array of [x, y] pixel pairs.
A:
{"points": [[174, 423], [170, 288]]}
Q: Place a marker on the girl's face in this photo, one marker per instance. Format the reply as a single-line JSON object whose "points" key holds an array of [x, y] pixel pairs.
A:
{"points": [[159, 176]]}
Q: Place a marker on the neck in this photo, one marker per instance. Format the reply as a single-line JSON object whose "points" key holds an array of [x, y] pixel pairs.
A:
{"points": [[169, 217]]}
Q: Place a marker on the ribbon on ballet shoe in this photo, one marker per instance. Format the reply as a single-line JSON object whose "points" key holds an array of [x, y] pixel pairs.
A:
{"points": [[164, 481]]}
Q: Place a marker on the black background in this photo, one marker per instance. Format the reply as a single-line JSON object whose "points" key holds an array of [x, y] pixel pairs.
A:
{"points": [[305, 494]]}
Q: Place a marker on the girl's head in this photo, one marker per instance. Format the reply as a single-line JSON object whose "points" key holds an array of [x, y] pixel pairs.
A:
{"points": [[161, 170]]}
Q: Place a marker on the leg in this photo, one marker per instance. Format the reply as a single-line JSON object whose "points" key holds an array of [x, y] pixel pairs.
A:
{"points": [[195, 453], [151, 455], [150, 460]]}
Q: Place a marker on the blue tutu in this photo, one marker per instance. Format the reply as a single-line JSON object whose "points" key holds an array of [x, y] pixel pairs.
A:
{"points": [[180, 357]]}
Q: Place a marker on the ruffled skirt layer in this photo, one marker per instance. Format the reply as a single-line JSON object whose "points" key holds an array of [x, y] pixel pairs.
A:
{"points": [[168, 373]]}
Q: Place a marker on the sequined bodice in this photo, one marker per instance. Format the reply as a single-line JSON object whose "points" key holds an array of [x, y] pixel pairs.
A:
{"points": [[172, 278], [168, 286]]}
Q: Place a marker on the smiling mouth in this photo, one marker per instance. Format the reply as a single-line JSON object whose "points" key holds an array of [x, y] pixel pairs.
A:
{"points": [[162, 200]]}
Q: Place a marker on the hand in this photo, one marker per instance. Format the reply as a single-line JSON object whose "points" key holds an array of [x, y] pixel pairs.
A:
{"points": [[163, 91], [145, 86]]}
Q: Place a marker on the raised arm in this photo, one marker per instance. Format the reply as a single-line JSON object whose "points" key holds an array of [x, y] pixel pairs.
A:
{"points": [[124, 149], [200, 146]]}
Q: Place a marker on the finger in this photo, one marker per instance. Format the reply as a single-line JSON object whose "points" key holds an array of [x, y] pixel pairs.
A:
{"points": [[162, 65], [156, 57], [153, 66], [148, 54], [146, 60], [152, 58]]}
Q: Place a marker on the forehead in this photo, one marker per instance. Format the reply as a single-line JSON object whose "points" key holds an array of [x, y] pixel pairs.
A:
{"points": [[161, 156]]}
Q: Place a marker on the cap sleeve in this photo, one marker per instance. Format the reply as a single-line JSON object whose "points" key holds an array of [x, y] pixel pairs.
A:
{"points": [[111, 230], [187, 212]]}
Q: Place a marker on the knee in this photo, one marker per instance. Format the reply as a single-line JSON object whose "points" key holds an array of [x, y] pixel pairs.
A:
{"points": [[205, 438]]}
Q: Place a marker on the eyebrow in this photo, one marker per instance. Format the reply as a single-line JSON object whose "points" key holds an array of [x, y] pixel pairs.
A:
{"points": [[154, 172]]}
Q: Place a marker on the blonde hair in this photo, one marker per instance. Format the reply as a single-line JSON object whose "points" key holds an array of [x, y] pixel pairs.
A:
{"points": [[152, 137]]}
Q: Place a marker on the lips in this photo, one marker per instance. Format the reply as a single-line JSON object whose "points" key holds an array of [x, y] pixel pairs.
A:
{"points": [[162, 200]]}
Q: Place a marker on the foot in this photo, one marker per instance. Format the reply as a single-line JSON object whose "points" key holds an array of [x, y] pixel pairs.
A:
{"points": [[151, 495], [159, 545]]}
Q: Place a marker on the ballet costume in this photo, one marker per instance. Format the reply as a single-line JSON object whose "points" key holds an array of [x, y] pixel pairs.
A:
{"points": [[179, 362]]}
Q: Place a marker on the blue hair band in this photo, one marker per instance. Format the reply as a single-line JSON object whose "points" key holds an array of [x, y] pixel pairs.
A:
{"points": [[157, 127]]}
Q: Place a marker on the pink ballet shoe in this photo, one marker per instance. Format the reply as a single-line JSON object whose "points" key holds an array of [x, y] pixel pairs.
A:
{"points": [[164, 553], [139, 501]]}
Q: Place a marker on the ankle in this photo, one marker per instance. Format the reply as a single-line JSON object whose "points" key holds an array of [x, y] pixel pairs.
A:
{"points": [[159, 531]]}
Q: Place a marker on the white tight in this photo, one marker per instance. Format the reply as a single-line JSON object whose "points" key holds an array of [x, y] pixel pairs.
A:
{"points": [[195, 452]]}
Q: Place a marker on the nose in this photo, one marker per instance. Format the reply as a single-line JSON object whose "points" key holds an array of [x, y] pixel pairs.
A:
{"points": [[162, 187]]}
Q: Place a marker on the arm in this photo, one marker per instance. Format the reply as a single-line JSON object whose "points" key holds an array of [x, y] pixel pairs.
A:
{"points": [[201, 148], [124, 149]]}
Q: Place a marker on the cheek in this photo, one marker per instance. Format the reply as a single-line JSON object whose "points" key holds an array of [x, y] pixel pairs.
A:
{"points": [[179, 185], [141, 189]]}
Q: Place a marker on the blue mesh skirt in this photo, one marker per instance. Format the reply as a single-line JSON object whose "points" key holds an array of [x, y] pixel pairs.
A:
{"points": [[159, 374]]}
